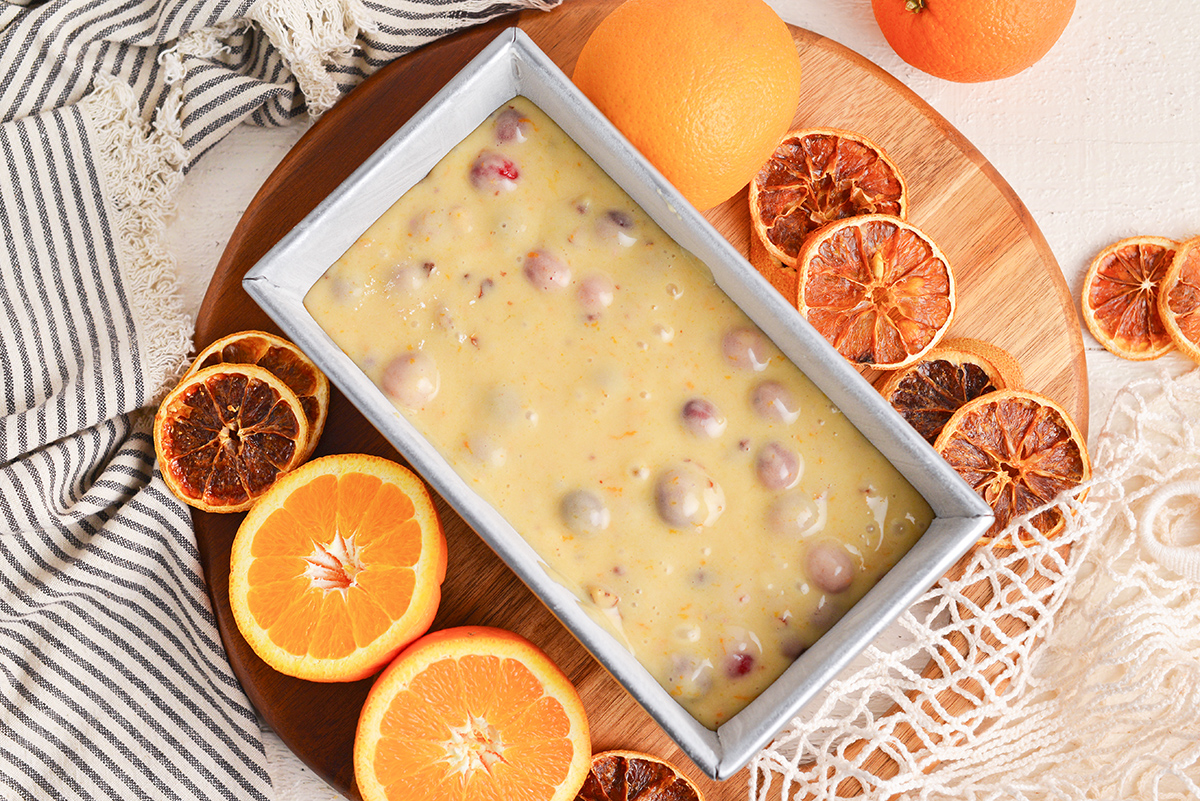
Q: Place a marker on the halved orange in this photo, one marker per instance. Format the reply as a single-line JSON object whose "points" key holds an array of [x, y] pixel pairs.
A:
{"points": [[930, 390], [817, 176], [1019, 450], [226, 433], [337, 567], [877, 288], [286, 362], [1179, 299], [472, 713], [1120, 297], [634, 776]]}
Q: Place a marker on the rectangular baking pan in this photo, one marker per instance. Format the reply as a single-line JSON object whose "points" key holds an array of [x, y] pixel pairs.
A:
{"points": [[513, 65]]}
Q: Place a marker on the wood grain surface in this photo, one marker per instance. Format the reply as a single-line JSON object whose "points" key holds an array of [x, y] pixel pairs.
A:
{"points": [[1011, 292]]}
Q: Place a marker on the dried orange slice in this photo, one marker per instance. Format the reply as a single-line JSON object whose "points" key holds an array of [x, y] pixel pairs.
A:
{"points": [[782, 276], [286, 361], [634, 776], [931, 389], [337, 567], [817, 176], [877, 288], [1120, 297], [1019, 450], [1179, 299], [471, 713], [226, 433]]}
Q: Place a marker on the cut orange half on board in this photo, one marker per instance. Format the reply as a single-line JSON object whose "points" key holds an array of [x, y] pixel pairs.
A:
{"points": [[1120, 297], [817, 176], [337, 568], [283, 360], [930, 390], [472, 713], [1019, 451], [226, 433], [877, 288], [1179, 299], [634, 776]]}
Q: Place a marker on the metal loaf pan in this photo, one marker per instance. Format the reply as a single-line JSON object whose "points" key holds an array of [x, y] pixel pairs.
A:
{"points": [[513, 65]]}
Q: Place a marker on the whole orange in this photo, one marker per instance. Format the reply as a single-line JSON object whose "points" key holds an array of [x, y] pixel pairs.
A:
{"points": [[703, 88], [972, 40]]}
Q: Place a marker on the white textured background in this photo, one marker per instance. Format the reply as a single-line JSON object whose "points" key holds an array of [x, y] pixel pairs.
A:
{"points": [[1100, 139]]}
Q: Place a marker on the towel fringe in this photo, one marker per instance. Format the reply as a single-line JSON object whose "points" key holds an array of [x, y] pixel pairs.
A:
{"points": [[313, 35], [142, 167]]}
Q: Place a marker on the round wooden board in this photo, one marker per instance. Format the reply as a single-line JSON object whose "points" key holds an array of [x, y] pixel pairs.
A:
{"points": [[1010, 292]]}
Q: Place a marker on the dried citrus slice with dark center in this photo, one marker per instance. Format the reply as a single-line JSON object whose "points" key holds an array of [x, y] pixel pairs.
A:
{"points": [[634, 776], [1179, 299], [877, 288], [817, 176], [286, 361], [929, 391], [1019, 450], [226, 433], [1120, 297], [782, 276]]}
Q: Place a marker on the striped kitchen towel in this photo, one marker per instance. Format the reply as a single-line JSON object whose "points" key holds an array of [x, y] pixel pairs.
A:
{"points": [[113, 680]]}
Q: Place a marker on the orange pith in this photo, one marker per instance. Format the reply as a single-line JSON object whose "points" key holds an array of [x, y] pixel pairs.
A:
{"points": [[972, 40], [635, 776], [1179, 299], [817, 176], [877, 288], [337, 568], [1120, 297], [930, 390], [286, 362], [1018, 450], [471, 713], [225, 434], [703, 88]]}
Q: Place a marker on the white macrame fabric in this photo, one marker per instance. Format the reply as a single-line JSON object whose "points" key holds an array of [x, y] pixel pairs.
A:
{"points": [[113, 679], [1061, 669]]}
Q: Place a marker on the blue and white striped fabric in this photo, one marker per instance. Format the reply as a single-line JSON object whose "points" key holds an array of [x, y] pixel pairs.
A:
{"points": [[113, 680]]}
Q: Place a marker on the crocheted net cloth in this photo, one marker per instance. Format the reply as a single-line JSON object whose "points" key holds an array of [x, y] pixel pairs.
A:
{"points": [[1061, 669]]}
